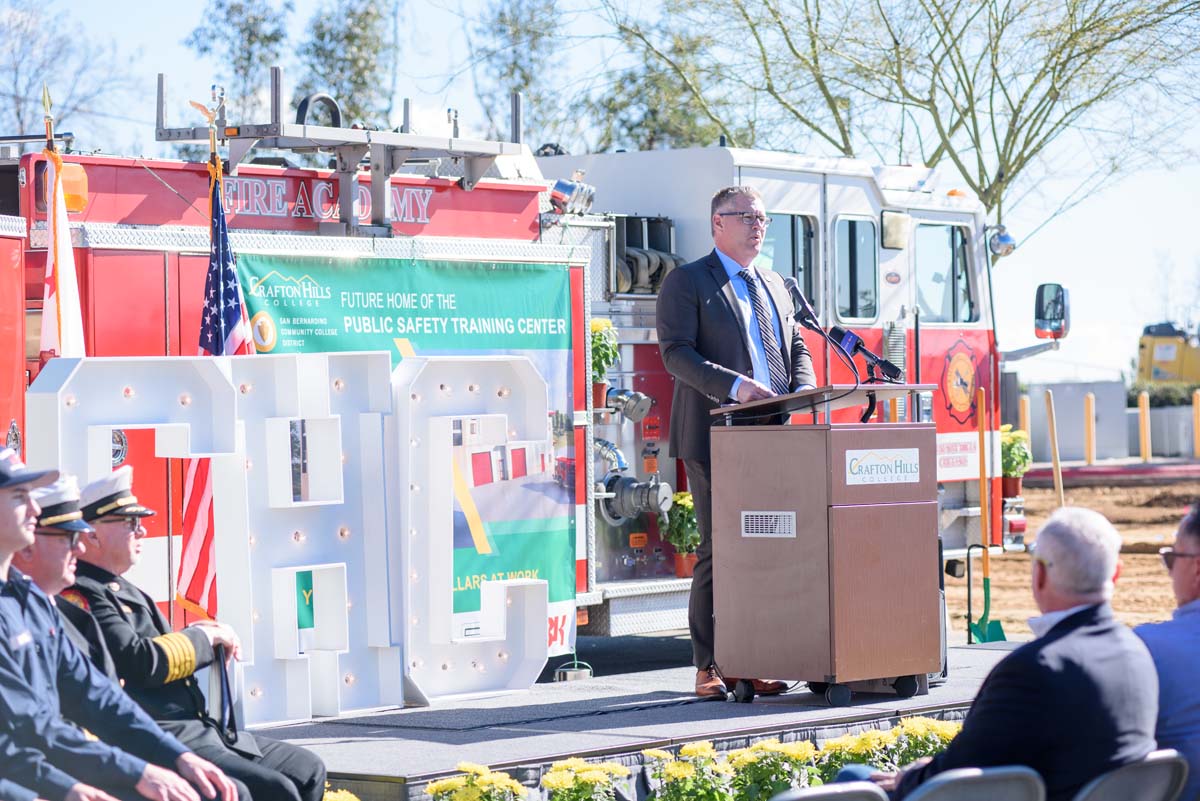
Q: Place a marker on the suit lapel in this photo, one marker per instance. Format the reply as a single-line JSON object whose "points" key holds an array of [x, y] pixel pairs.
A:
{"points": [[717, 270]]}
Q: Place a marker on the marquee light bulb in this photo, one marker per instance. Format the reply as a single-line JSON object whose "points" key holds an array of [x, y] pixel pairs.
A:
{"points": [[245, 388], [472, 388], [344, 533], [249, 465], [298, 537], [416, 396], [338, 385], [502, 656], [251, 540], [69, 401], [185, 399], [503, 392], [348, 679], [446, 665], [128, 392], [256, 692], [254, 616]]}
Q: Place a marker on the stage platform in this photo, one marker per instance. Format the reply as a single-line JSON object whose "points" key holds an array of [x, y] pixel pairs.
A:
{"points": [[393, 754]]}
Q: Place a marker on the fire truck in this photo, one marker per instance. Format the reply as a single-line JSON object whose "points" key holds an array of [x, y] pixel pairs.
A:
{"points": [[880, 251]]}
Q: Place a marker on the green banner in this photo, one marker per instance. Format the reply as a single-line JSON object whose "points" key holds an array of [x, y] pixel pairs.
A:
{"points": [[306, 304]]}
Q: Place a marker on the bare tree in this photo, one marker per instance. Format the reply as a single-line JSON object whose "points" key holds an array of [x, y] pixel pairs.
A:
{"points": [[515, 47], [86, 79], [247, 38], [995, 88]]}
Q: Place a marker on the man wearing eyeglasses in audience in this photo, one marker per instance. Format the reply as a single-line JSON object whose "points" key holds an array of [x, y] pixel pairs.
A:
{"points": [[727, 333], [1175, 646], [158, 665]]}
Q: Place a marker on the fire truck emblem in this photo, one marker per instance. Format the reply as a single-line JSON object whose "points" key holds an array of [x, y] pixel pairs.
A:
{"points": [[265, 334], [958, 382]]}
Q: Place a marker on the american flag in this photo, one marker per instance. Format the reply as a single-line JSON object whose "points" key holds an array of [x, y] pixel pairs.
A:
{"points": [[223, 332]]}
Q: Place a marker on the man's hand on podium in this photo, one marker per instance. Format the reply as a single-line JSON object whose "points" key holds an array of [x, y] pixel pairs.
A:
{"points": [[751, 390]]}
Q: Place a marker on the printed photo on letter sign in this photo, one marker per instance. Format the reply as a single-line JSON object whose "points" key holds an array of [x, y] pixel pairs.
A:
{"points": [[884, 466]]}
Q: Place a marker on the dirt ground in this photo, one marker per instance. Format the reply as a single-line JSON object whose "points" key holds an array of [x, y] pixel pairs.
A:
{"points": [[1145, 516]]}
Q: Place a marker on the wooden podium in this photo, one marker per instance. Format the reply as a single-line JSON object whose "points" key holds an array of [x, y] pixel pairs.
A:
{"points": [[825, 562]]}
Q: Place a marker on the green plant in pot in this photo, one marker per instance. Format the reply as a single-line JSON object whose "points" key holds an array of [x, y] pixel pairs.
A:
{"points": [[605, 353], [679, 527], [1015, 459]]}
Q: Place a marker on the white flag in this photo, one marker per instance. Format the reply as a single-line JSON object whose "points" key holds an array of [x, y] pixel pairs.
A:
{"points": [[62, 318]]}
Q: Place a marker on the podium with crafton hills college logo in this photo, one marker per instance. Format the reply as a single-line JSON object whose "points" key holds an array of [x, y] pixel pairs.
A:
{"points": [[825, 552]]}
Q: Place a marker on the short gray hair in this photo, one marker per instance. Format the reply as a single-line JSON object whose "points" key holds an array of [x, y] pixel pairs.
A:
{"points": [[723, 196], [1079, 548]]}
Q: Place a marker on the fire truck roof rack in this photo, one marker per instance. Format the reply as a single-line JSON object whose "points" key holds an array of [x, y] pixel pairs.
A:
{"points": [[387, 152]]}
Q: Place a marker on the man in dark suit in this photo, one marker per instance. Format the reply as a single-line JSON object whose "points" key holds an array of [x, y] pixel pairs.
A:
{"points": [[1078, 701], [158, 665], [726, 333]]}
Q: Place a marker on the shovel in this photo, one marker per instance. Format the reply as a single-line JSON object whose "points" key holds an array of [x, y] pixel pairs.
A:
{"points": [[983, 629]]}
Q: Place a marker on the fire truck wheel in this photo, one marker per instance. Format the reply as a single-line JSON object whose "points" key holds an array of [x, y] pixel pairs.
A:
{"points": [[817, 687], [905, 686], [837, 695]]}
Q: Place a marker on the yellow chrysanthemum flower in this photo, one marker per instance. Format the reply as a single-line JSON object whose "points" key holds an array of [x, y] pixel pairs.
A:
{"points": [[443, 786], [800, 751], [613, 768], [700, 749], [678, 771], [657, 753], [745, 756], [594, 776], [558, 779], [471, 767], [600, 324], [338, 795], [468, 793], [723, 767]]}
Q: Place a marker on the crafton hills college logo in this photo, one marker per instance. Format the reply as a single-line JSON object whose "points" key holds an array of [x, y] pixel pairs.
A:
{"points": [[958, 381], [264, 331]]}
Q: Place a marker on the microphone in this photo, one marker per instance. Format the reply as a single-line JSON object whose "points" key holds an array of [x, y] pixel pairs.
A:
{"points": [[853, 344], [804, 310]]}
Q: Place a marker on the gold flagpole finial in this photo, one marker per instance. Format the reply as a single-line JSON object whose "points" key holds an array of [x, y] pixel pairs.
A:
{"points": [[47, 104]]}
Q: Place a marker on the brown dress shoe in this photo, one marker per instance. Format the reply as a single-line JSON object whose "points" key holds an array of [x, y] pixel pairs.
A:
{"points": [[761, 686], [709, 684]]}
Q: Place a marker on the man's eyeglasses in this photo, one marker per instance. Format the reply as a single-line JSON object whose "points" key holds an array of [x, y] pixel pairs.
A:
{"points": [[747, 217], [132, 523], [57, 532], [1169, 555]]}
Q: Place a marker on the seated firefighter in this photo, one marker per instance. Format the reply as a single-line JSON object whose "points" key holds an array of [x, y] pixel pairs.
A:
{"points": [[44, 678], [157, 664]]}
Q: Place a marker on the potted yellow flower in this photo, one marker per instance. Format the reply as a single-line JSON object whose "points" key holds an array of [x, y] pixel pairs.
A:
{"points": [[578, 780], [605, 353], [696, 774], [1015, 459], [770, 767], [477, 783], [679, 527]]}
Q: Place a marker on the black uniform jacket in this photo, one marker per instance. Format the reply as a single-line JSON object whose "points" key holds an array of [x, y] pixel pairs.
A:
{"points": [[156, 664]]}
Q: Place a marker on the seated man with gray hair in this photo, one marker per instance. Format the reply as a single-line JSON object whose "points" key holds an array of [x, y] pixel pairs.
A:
{"points": [[1078, 701]]}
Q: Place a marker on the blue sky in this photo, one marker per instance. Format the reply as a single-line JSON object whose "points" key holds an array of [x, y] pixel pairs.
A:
{"points": [[1109, 250]]}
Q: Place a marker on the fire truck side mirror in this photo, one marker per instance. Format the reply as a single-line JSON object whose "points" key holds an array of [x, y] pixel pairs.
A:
{"points": [[1052, 312]]}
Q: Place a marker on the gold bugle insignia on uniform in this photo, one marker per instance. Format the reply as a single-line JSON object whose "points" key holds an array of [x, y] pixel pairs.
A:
{"points": [[180, 653]]}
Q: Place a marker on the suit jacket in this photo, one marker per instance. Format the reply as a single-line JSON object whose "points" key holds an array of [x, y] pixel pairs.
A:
{"points": [[156, 663], [704, 345], [1074, 704], [81, 628]]}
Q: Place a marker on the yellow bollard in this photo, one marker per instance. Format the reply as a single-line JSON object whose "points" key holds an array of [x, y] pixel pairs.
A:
{"points": [[1089, 428], [1196, 424], [1144, 424], [1023, 415], [985, 520], [1054, 462]]}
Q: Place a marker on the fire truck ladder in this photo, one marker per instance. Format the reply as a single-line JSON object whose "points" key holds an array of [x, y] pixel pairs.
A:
{"points": [[387, 152]]}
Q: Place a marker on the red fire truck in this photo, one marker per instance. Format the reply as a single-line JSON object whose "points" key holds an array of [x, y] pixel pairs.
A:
{"points": [[879, 251]]}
